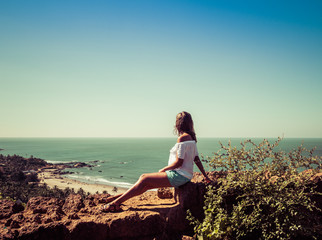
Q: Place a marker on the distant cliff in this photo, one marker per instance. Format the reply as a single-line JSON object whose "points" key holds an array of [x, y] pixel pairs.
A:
{"points": [[18, 177]]}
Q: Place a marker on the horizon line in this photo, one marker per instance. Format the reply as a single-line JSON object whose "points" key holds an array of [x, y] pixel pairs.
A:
{"points": [[163, 137]]}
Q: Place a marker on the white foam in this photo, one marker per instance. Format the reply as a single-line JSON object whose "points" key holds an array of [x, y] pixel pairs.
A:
{"points": [[99, 180], [55, 161]]}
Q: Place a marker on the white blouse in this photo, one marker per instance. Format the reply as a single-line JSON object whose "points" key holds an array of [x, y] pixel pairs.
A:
{"points": [[187, 151]]}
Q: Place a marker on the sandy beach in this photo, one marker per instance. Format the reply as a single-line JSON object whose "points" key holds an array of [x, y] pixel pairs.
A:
{"points": [[51, 179]]}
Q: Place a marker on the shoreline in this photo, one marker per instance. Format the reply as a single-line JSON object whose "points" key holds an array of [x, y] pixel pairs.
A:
{"points": [[52, 179]]}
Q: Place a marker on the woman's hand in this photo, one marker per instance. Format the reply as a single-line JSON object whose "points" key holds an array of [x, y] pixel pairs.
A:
{"points": [[162, 170]]}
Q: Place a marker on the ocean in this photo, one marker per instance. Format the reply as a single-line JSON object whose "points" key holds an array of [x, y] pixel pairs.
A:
{"points": [[120, 161]]}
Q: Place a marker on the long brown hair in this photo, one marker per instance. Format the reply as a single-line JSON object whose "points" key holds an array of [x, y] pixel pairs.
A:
{"points": [[184, 124]]}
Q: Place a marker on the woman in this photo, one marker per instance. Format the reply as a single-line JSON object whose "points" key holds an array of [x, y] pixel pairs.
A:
{"points": [[179, 170]]}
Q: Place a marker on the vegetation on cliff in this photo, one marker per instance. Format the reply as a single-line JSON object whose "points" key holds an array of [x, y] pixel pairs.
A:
{"points": [[267, 194]]}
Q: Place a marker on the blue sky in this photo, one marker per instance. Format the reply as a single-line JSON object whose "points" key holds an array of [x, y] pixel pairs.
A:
{"points": [[126, 68]]}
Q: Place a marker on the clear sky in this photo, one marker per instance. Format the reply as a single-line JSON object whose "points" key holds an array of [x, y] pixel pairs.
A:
{"points": [[126, 68]]}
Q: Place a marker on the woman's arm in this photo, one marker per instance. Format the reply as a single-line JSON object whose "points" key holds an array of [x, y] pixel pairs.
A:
{"points": [[200, 166], [174, 165]]}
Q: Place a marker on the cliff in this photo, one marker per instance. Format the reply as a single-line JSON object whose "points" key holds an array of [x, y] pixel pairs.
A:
{"points": [[143, 217], [148, 216]]}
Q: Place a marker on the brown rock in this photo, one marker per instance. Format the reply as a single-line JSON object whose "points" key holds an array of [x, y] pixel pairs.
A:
{"points": [[45, 205], [6, 208], [8, 222], [95, 199], [44, 210], [36, 219], [94, 230], [73, 216], [73, 204], [164, 193], [135, 225], [52, 217], [143, 217], [191, 195], [35, 204], [14, 224], [49, 231], [17, 207], [187, 238], [48, 220]]}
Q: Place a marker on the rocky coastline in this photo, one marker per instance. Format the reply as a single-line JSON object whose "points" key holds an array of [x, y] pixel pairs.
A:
{"points": [[153, 215]]}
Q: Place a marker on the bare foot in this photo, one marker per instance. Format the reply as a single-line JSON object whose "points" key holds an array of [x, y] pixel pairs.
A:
{"points": [[112, 198], [112, 207]]}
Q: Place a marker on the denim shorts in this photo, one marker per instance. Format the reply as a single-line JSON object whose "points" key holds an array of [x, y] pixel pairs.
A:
{"points": [[176, 179]]}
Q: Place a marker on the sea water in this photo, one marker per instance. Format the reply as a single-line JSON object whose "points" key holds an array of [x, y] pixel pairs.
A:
{"points": [[120, 161]]}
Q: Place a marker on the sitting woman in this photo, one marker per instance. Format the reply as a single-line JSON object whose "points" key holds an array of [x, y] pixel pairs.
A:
{"points": [[179, 170]]}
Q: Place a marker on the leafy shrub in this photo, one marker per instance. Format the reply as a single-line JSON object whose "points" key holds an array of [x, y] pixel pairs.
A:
{"points": [[265, 195], [18, 176], [32, 177]]}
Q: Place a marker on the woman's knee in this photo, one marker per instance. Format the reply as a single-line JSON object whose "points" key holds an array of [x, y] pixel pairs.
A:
{"points": [[143, 178]]}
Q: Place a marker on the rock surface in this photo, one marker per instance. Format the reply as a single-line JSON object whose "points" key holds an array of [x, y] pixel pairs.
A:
{"points": [[144, 217], [165, 193]]}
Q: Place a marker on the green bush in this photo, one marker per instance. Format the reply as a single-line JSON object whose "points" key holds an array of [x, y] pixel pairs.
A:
{"points": [[265, 195]]}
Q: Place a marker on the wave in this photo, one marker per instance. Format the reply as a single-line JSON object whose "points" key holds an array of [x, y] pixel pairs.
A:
{"points": [[91, 162], [58, 161], [98, 180]]}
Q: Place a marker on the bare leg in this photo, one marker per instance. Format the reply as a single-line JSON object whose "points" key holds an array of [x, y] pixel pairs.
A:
{"points": [[145, 182]]}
